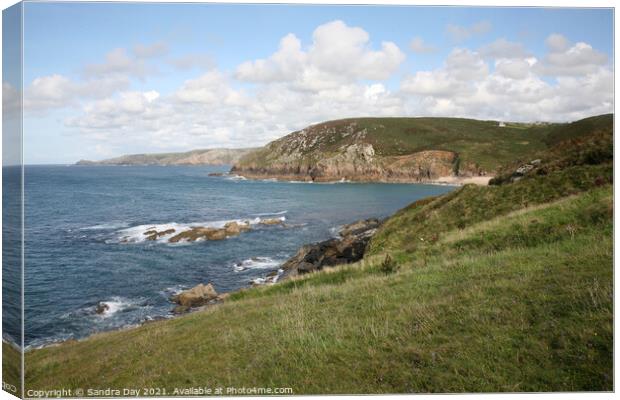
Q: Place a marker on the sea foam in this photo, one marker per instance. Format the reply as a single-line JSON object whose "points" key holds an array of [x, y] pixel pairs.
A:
{"points": [[136, 234]]}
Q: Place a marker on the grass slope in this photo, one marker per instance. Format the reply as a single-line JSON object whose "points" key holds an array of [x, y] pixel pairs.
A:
{"points": [[499, 288], [483, 143], [510, 290], [11, 367]]}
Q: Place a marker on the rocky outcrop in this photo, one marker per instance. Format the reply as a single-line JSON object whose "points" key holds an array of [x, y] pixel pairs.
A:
{"points": [[347, 248], [199, 295], [355, 150], [195, 157], [231, 229], [194, 233], [101, 308], [154, 234]]}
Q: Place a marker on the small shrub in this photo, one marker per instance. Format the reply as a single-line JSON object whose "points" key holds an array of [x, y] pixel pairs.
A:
{"points": [[388, 266]]}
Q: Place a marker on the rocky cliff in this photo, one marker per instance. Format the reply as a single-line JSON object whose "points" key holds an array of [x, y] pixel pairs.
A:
{"points": [[195, 157], [368, 150]]}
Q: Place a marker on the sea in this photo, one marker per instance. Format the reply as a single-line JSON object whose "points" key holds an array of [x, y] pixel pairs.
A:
{"points": [[85, 243]]}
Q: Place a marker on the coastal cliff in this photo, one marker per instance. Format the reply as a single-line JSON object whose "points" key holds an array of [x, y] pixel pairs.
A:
{"points": [[392, 150], [194, 157]]}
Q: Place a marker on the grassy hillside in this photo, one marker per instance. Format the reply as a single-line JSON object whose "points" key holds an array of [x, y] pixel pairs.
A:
{"points": [[11, 367], [194, 157], [478, 144], [498, 288]]}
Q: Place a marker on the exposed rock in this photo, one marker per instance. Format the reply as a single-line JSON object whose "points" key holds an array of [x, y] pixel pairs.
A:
{"points": [[359, 227], [524, 169], [234, 228], [197, 296], [180, 309], [101, 308], [271, 221], [344, 150], [347, 249], [154, 235], [201, 233]]}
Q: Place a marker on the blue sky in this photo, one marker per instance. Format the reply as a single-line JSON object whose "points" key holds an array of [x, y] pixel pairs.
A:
{"points": [[107, 79]]}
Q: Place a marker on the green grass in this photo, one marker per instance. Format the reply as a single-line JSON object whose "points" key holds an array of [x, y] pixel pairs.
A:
{"points": [[497, 288], [11, 367], [481, 143], [500, 305]]}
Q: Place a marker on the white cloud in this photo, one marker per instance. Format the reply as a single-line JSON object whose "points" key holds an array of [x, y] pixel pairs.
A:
{"points": [[210, 88], [514, 89], [208, 112], [513, 68], [117, 62], [460, 69], [339, 74], [149, 51], [11, 101], [284, 65], [338, 55], [418, 45], [460, 33], [191, 61], [98, 80], [502, 48], [566, 60], [58, 91], [556, 42]]}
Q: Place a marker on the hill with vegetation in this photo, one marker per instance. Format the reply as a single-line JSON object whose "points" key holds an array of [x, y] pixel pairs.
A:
{"points": [[194, 157], [500, 288], [402, 149]]}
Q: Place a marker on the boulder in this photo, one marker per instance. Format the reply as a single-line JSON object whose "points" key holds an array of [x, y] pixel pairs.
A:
{"points": [[359, 226], [234, 228], [101, 308], [197, 296], [349, 248], [215, 234]]}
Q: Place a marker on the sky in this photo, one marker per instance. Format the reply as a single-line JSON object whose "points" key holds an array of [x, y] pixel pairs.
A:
{"points": [[105, 79]]}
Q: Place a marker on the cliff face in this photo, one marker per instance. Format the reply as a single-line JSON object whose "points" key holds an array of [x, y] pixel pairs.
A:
{"points": [[345, 150], [195, 157]]}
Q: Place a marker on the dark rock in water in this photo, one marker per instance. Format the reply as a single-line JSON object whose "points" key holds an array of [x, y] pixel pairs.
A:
{"points": [[101, 308], [347, 249], [217, 174], [154, 235]]}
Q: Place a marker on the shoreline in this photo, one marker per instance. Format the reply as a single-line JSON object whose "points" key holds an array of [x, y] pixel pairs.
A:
{"points": [[283, 273], [441, 181]]}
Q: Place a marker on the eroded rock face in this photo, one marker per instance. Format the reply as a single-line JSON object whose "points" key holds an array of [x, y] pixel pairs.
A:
{"points": [[350, 247], [343, 151], [197, 296]]}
